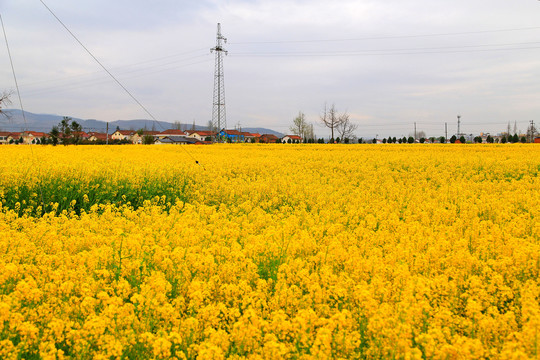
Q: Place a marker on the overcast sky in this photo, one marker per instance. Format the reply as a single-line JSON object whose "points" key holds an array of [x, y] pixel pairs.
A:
{"points": [[387, 63]]}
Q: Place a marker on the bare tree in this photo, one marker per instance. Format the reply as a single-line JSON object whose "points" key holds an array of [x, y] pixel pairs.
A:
{"points": [[332, 119], [5, 100], [419, 134], [310, 133], [345, 127], [299, 126]]}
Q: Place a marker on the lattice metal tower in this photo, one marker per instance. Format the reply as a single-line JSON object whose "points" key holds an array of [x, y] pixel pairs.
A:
{"points": [[219, 121]]}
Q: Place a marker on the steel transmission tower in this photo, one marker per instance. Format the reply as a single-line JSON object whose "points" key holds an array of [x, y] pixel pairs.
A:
{"points": [[218, 111]]}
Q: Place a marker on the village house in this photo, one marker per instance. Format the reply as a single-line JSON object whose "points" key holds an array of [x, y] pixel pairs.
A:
{"points": [[122, 135], [200, 134], [33, 137], [3, 137], [97, 136], [269, 138], [251, 137], [81, 135], [13, 137], [231, 135], [293, 138], [178, 140], [170, 132], [137, 138]]}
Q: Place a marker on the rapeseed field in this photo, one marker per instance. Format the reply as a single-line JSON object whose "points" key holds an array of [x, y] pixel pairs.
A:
{"points": [[270, 252]]}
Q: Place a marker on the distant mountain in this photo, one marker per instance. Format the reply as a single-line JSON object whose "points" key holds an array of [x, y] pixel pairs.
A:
{"points": [[44, 122]]}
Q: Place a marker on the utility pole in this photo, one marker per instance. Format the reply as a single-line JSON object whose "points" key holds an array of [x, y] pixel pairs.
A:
{"points": [[415, 131], [458, 126], [107, 133], [218, 110], [445, 132]]}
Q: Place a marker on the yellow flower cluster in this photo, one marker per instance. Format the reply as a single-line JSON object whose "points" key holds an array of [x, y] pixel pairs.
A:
{"points": [[272, 251]]}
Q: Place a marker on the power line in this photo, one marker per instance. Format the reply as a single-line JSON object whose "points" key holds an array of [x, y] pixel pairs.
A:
{"points": [[70, 78], [22, 110], [112, 76], [99, 63], [92, 82], [386, 37], [374, 52]]}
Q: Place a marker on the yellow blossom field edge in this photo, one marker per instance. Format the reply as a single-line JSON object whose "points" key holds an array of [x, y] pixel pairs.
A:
{"points": [[277, 251]]}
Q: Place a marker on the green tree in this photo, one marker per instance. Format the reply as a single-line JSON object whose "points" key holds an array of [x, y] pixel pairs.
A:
{"points": [[65, 130], [422, 140], [410, 140], [462, 139], [148, 139], [515, 138], [54, 134], [453, 139], [442, 140], [523, 139], [76, 131]]}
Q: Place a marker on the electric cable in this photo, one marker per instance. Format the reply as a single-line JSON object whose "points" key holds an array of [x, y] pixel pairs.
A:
{"points": [[23, 114], [113, 77], [384, 37]]}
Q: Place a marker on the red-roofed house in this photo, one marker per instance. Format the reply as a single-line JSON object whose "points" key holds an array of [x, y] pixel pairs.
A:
{"points": [[138, 138], [15, 136], [95, 136], [269, 138], [251, 137], [122, 134], [171, 132], [293, 138], [81, 135], [32, 137], [3, 137], [200, 134]]}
